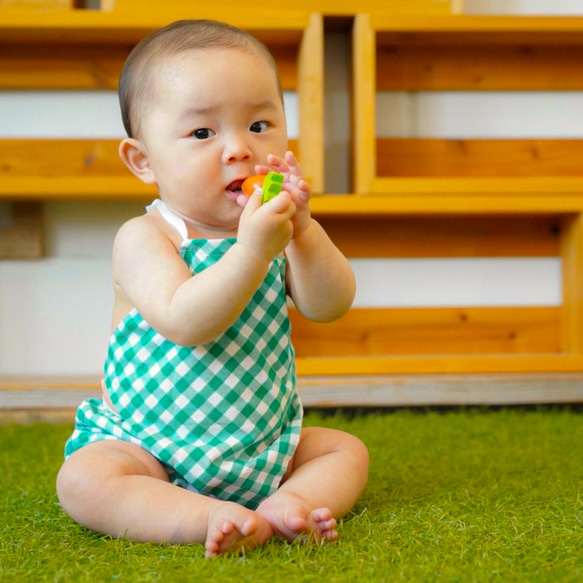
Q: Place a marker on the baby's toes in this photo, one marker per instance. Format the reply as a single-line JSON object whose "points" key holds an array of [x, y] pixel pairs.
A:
{"points": [[330, 535], [211, 549], [227, 527], [322, 516], [328, 524]]}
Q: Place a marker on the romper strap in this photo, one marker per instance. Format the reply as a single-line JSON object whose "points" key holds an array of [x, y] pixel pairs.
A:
{"points": [[177, 222]]}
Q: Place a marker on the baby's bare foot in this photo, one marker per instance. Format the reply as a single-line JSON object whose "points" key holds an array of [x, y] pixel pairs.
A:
{"points": [[232, 527], [291, 517]]}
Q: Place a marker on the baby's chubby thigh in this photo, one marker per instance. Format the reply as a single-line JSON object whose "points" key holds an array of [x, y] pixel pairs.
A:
{"points": [[90, 477], [320, 442], [117, 488]]}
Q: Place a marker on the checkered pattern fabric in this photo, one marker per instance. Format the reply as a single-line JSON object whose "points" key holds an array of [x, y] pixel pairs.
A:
{"points": [[224, 417]]}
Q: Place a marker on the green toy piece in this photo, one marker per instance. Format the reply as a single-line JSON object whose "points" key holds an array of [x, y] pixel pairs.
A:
{"points": [[272, 186]]}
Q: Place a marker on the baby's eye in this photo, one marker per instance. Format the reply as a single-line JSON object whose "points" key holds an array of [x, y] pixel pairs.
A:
{"points": [[259, 127], [203, 133]]}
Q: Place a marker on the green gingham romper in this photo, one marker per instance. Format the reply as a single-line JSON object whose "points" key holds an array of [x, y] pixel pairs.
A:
{"points": [[223, 417]]}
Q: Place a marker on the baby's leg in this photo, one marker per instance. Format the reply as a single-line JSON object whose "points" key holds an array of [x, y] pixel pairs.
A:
{"points": [[327, 475], [118, 488]]}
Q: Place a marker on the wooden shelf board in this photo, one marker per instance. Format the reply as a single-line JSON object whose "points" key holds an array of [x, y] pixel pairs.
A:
{"points": [[449, 364], [442, 390], [56, 399], [526, 186], [424, 205], [74, 188], [474, 29], [129, 27], [396, 203]]}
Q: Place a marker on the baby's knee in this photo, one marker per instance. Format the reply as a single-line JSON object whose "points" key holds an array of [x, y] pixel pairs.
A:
{"points": [[350, 445], [72, 486], [358, 451]]}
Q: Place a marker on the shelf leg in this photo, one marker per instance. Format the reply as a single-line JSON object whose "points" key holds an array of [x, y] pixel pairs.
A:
{"points": [[572, 258]]}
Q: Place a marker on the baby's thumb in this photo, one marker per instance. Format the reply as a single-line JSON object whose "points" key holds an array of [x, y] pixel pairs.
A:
{"points": [[254, 202], [279, 204]]}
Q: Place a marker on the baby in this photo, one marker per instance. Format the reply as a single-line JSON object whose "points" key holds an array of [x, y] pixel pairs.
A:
{"points": [[198, 437]]}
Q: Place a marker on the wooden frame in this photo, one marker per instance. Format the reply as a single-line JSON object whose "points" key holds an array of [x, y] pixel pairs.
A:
{"points": [[22, 238], [82, 49], [462, 179], [463, 53], [538, 211]]}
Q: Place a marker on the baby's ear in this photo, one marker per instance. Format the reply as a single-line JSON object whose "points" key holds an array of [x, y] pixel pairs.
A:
{"points": [[134, 156]]}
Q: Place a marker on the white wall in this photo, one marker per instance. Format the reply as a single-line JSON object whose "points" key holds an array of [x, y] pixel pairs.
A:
{"points": [[55, 312]]}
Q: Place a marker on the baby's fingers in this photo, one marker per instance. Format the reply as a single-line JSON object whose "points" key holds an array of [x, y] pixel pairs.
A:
{"points": [[294, 166], [263, 169], [276, 164], [282, 204], [305, 190]]}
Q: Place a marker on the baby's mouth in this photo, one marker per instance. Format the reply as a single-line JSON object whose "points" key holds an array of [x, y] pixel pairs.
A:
{"points": [[235, 186]]}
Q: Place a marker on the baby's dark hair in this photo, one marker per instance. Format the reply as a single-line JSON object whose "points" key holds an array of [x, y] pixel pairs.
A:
{"points": [[178, 37]]}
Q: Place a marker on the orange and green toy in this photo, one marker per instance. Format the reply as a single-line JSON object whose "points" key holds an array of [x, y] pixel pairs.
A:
{"points": [[271, 184]]}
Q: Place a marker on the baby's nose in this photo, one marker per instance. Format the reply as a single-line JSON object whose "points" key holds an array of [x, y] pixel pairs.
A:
{"points": [[236, 151]]}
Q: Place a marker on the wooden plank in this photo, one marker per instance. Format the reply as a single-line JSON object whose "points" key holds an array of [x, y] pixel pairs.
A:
{"points": [[363, 103], [448, 390], [550, 186], [572, 256], [52, 5], [424, 331], [30, 416], [50, 157], [54, 405], [44, 398], [33, 67], [46, 66], [67, 188], [49, 382], [462, 29], [421, 157], [46, 169], [407, 197], [227, 10], [21, 234], [479, 67], [273, 25], [336, 7], [446, 364], [530, 236], [64, 158], [311, 102]]}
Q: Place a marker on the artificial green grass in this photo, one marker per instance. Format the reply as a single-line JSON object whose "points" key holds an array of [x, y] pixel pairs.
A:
{"points": [[458, 496]]}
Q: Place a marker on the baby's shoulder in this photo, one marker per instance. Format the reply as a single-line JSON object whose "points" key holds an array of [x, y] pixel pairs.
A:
{"points": [[146, 234], [134, 231]]}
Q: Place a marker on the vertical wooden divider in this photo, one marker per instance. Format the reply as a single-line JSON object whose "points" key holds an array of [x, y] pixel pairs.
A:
{"points": [[311, 102], [23, 239], [572, 309], [364, 75]]}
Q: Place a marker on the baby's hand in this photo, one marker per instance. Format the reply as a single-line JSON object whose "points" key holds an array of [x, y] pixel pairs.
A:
{"points": [[293, 183], [267, 228]]}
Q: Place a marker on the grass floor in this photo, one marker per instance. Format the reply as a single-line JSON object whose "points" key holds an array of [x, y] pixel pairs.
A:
{"points": [[457, 496]]}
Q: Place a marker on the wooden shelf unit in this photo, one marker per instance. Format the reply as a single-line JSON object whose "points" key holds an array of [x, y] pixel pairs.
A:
{"points": [[64, 48], [461, 53], [463, 214], [458, 198]]}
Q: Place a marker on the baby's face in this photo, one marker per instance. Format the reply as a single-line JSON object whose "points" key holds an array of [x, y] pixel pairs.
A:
{"points": [[213, 116]]}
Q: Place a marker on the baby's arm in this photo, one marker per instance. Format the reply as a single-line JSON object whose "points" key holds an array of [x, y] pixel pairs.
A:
{"points": [[193, 310], [320, 279]]}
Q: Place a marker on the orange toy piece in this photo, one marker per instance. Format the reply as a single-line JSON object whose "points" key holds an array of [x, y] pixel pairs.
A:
{"points": [[271, 184], [251, 184]]}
